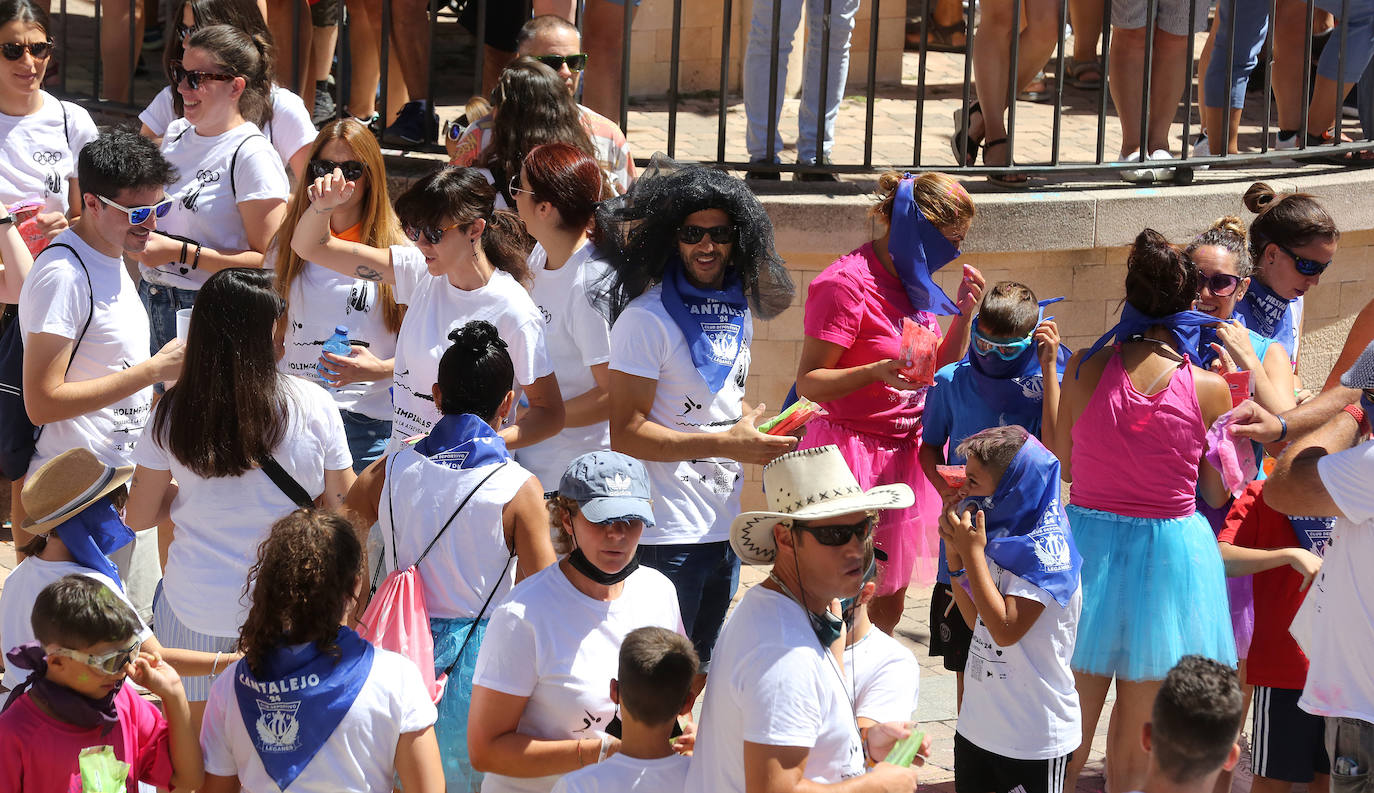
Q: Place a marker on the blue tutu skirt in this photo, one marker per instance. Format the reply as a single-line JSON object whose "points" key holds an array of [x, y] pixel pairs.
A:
{"points": [[1154, 590], [452, 726]]}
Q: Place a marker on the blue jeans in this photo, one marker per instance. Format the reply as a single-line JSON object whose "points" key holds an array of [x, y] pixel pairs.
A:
{"points": [[367, 438], [162, 304], [756, 71], [705, 576], [1252, 24]]}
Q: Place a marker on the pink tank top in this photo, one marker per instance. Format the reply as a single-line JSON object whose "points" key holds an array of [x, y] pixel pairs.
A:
{"points": [[1137, 455]]}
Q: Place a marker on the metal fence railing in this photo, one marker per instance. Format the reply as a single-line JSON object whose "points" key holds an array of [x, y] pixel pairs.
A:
{"points": [[457, 58]]}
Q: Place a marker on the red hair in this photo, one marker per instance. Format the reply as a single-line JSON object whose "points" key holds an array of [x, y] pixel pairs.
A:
{"points": [[566, 177]]}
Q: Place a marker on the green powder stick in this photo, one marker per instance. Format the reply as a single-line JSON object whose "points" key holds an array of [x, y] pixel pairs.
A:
{"points": [[904, 751]]}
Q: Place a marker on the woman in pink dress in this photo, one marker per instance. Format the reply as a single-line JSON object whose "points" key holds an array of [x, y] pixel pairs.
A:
{"points": [[851, 359]]}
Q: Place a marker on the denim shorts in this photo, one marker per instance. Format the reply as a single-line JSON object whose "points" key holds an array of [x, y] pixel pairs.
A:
{"points": [[162, 303], [367, 438]]}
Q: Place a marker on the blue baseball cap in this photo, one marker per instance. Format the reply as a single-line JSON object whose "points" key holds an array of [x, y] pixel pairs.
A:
{"points": [[608, 486]]}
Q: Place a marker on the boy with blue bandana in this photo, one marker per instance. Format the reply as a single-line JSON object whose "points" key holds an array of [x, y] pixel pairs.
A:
{"points": [[1016, 571]]}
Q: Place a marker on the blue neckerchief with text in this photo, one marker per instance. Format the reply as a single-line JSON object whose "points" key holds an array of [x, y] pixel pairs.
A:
{"points": [[1268, 315], [1185, 327], [1028, 530], [711, 320], [94, 533], [1313, 534], [462, 441], [918, 249], [300, 699]]}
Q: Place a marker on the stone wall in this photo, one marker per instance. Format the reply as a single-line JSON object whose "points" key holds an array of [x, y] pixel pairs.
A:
{"points": [[812, 231]]}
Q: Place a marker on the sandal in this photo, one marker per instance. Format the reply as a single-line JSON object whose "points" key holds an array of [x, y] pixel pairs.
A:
{"points": [[964, 146], [939, 38], [1341, 158], [1077, 70], [1007, 179], [1032, 94]]}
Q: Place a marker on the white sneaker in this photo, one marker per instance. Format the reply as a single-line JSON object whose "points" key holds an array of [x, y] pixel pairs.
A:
{"points": [[1136, 175], [1283, 143], [1162, 174], [1200, 147]]}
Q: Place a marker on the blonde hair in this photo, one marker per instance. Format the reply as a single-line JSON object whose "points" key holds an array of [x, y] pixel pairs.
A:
{"points": [[562, 510], [941, 198], [1227, 233]]}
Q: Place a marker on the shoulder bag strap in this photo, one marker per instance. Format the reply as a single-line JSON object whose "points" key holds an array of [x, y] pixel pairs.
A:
{"points": [[234, 163], [90, 314], [66, 131], [286, 483]]}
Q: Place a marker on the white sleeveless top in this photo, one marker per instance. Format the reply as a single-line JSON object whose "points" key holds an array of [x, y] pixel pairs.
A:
{"points": [[470, 559]]}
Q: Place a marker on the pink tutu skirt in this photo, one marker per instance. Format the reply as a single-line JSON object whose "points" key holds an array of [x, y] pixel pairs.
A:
{"points": [[908, 536]]}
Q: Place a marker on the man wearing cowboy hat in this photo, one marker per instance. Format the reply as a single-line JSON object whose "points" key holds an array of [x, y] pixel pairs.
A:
{"points": [[778, 712]]}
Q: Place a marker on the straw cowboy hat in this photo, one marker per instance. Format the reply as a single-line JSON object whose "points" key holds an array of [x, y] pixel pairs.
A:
{"points": [[808, 485], [65, 485]]}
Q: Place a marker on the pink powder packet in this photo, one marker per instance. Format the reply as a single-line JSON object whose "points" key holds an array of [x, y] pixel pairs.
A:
{"points": [[1233, 457], [25, 220], [919, 346], [1239, 383]]}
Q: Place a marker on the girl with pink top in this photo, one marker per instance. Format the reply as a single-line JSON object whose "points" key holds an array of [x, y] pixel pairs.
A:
{"points": [[1132, 419], [851, 359]]}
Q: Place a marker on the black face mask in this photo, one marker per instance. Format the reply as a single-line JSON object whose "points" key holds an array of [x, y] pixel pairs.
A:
{"points": [[583, 565]]}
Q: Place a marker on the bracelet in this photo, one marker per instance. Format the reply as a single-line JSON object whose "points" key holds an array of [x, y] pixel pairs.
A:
{"points": [[956, 573], [195, 262], [605, 747], [215, 663], [579, 753], [319, 211], [1361, 420], [1284, 433], [182, 259]]}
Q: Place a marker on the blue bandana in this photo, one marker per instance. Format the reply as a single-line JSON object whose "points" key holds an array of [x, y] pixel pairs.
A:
{"points": [[1314, 534], [298, 702], [1009, 386], [1028, 531], [1269, 315], [463, 441], [92, 534], [918, 249], [1185, 327], [711, 320]]}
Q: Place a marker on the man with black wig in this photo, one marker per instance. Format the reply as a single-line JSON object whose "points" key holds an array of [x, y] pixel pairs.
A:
{"points": [[693, 262]]}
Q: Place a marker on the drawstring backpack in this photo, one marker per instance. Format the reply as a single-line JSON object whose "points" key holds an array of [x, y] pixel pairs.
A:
{"points": [[397, 618]]}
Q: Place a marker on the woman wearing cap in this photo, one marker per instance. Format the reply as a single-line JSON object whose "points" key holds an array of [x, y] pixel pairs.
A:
{"points": [[541, 703], [457, 501], [851, 359], [76, 500]]}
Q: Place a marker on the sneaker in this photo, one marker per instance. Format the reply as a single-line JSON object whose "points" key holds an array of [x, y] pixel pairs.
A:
{"points": [[1162, 174], [762, 176], [816, 176], [1201, 148], [415, 124], [372, 122], [1135, 175], [1285, 142], [324, 103]]}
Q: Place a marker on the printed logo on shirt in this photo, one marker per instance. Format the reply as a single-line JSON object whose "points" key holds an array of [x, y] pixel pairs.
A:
{"points": [[548, 318], [985, 660], [52, 180], [587, 721], [361, 297], [203, 177]]}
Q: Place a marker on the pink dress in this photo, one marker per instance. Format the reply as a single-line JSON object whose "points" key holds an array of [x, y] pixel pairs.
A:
{"points": [[858, 305]]}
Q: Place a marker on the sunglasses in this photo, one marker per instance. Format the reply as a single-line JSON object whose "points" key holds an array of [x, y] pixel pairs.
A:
{"points": [[720, 235], [576, 63], [836, 535], [431, 235], [139, 215], [515, 186], [110, 663], [194, 79], [13, 50], [1219, 284], [184, 30], [1006, 350], [1305, 266], [352, 169]]}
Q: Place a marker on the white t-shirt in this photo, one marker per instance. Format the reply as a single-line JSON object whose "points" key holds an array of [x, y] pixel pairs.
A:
{"points": [[621, 774], [694, 500], [773, 684], [56, 299], [885, 675], [207, 194], [38, 160], [321, 299], [471, 559], [360, 754], [289, 130], [21, 590], [1020, 701], [560, 648], [221, 521], [1340, 681], [579, 337], [437, 307]]}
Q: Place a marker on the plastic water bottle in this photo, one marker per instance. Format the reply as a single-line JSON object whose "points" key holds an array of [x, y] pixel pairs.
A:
{"points": [[338, 345]]}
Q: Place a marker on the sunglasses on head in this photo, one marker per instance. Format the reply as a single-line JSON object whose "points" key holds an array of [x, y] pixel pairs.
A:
{"points": [[1219, 284], [194, 79], [720, 235], [110, 663], [14, 50], [431, 235], [576, 63], [139, 215], [837, 535], [352, 169], [1305, 266]]}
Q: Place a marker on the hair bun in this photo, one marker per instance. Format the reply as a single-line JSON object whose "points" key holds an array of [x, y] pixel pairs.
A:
{"points": [[1231, 226], [477, 336], [1258, 197]]}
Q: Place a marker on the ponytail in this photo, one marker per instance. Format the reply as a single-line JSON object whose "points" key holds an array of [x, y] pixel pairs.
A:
{"points": [[507, 243], [243, 55], [463, 196]]}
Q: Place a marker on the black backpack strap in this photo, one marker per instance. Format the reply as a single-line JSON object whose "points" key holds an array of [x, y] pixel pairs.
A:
{"points": [[234, 163], [286, 483], [464, 503], [90, 313], [66, 130], [466, 639]]}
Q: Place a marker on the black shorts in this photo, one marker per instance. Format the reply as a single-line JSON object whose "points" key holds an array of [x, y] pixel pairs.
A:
{"points": [[324, 13], [1287, 743], [503, 22], [949, 634], [980, 771]]}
